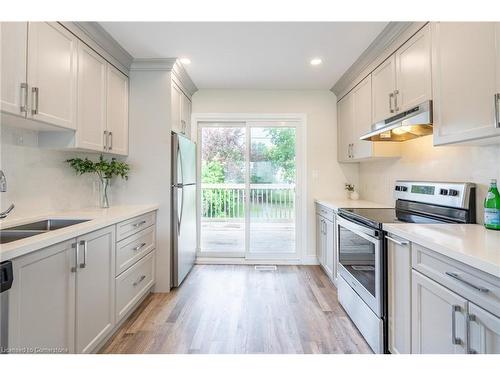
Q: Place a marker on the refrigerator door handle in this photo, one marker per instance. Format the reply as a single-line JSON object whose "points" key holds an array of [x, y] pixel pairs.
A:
{"points": [[180, 186]]}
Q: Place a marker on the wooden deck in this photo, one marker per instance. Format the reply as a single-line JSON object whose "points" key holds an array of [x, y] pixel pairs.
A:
{"points": [[236, 309], [265, 237]]}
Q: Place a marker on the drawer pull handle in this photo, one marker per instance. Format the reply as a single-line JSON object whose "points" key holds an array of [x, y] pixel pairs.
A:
{"points": [[137, 248], [400, 243], [454, 339], [139, 281], [457, 277], [137, 225]]}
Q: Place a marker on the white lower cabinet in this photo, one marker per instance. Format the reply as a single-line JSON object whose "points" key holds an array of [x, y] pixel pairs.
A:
{"points": [[399, 294], [484, 331], [42, 301], [66, 298], [438, 318], [325, 241], [95, 280]]}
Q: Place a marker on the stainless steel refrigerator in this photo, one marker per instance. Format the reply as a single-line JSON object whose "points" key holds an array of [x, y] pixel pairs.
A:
{"points": [[183, 207]]}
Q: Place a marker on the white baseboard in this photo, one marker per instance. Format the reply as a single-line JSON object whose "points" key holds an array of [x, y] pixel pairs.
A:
{"points": [[280, 262]]}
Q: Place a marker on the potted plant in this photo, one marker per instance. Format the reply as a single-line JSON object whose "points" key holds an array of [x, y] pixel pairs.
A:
{"points": [[351, 192], [104, 169]]}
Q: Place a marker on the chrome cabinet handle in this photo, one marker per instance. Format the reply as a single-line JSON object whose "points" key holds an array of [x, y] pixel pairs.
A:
{"points": [[396, 108], [454, 339], [470, 318], [76, 246], [85, 249], [400, 243], [137, 225], [110, 141], [105, 140], [391, 95], [34, 100], [137, 248], [457, 277], [497, 110], [183, 126], [24, 97], [139, 281]]}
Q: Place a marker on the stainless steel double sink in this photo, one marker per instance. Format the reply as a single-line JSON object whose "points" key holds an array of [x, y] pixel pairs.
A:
{"points": [[38, 227]]}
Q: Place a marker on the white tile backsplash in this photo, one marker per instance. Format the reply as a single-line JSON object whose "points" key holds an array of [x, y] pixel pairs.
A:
{"points": [[420, 160]]}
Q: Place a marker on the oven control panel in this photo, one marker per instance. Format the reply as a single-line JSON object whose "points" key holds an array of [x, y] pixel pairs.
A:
{"points": [[451, 194]]}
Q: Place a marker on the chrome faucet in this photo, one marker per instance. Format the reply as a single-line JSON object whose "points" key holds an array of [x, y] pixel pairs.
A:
{"points": [[3, 189]]}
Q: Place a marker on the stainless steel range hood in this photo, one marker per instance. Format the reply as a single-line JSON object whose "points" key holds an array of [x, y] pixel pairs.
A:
{"points": [[413, 123]]}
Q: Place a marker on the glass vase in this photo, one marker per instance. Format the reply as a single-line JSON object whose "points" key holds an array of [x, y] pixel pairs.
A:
{"points": [[104, 200]]}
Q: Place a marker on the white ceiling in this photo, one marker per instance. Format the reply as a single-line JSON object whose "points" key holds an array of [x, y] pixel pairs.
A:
{"points": [[252, 55]]}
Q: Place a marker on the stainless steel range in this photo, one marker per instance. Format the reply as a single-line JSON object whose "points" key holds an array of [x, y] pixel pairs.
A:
{"points": [[362, 285]]}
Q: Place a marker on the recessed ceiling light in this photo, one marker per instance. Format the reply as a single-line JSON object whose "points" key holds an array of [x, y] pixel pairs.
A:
{"points": [[316, 61], [185, 61]]}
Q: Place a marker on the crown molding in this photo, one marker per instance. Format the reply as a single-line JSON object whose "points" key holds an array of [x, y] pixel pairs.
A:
{"points": [[170, 65], [384, 45], [94, 35]]}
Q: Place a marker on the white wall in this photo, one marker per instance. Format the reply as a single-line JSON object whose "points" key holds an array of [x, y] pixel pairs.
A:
{"points": [[38, 180], [149, 158], [421, 161], [325, 177]]}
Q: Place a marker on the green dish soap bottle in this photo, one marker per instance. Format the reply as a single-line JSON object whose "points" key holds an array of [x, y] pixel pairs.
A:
{"points": [[492, 207]]}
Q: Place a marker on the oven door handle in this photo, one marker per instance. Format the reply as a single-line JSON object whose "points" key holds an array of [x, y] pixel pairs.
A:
{"points": [[369, 232]]}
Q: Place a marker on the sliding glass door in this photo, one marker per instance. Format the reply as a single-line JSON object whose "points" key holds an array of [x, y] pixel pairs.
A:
{"points": [[248, 190]]}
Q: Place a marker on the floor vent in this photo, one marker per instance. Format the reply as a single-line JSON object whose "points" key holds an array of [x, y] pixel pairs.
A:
{"points": [[266, 268]]}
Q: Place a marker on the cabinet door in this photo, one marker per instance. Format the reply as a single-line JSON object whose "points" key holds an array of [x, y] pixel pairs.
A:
{"points": [[464, 80], [484, 331], [91, 122], [329, 247], [95, 292], [319, 239], [117, 111], [383, 87], [438, 318], [399, 295], [186, 115], [42, 299], [176, 102], [345, 127], [52, 74], [362, 97], [413, 71], [13, 47]]}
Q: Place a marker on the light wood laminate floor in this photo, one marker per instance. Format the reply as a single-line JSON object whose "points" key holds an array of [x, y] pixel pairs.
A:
{"points": [[236, 309]]}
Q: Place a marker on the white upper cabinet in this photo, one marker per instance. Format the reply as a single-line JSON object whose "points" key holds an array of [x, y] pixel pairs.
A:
{"points": [[117, 112], [13, 55], [345, 127], [52, 74], [176, 108], [413, 71], [186, 115], [362, 96], [466, 78], [404, 79], [91, 99], [383, 87]]}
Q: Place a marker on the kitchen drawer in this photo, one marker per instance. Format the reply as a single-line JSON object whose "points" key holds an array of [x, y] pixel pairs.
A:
{"points": [[133, 248], [459, 277], [134, 225], [132, 284], [326, 212]]}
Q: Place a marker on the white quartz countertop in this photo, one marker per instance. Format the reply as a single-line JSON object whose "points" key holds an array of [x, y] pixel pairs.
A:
{"points": [[471, 244], [98, 218], [335, 204]]}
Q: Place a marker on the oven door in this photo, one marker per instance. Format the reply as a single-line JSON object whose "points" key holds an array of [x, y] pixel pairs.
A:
{"points": [[360, 261]]}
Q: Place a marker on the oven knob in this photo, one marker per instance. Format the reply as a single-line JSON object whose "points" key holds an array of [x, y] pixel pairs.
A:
{"points": [[453, 192], [443, 191], [397, 188], [404, 188]]}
